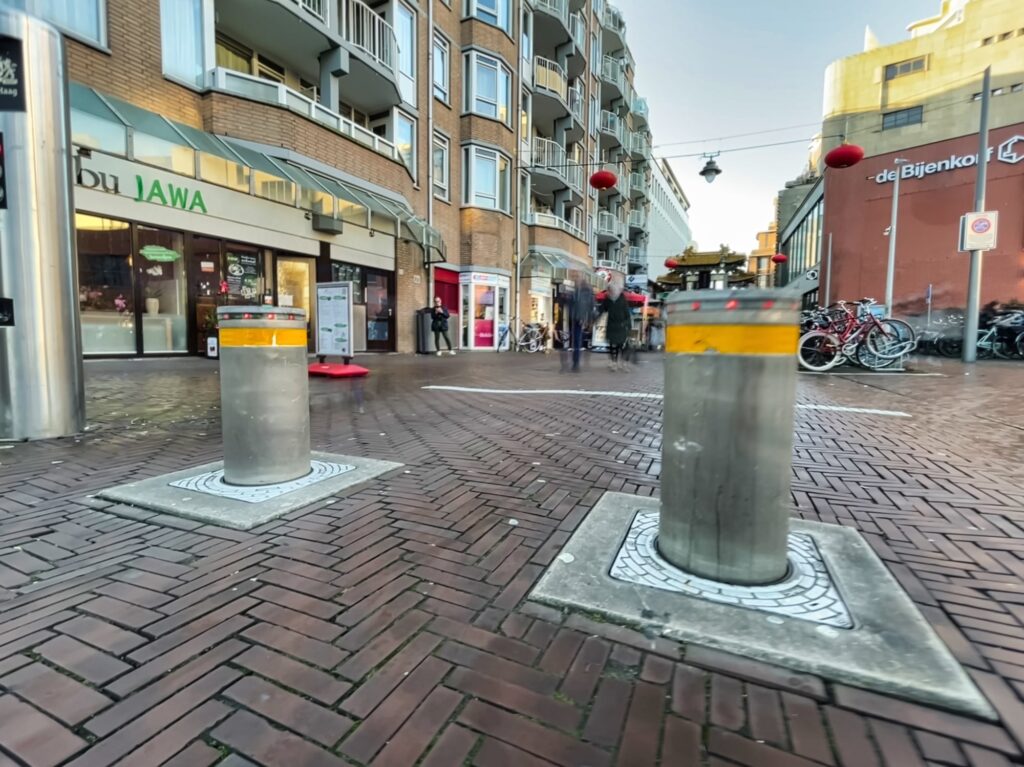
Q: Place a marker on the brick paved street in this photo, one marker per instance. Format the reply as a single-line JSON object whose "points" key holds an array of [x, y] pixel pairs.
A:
{"points": [[389, 627]]}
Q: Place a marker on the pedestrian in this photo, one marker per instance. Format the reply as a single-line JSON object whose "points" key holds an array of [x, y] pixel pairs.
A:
{"points": [[581, 315], [620, 323], [439, 324]]}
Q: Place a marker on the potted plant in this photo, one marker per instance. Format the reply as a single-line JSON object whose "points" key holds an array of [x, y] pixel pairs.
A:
{"points": [[153, 300]]}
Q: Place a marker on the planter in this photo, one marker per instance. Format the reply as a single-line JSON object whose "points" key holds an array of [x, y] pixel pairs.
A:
{"points": [[152, 306]]}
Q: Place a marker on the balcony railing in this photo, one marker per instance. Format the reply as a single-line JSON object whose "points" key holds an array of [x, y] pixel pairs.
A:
{"points": [[640, 108], [609, 225], [613, 71], [557, 8], [617, 264], [316, 7], [551, 221], [638, 182], [611, 124], [278, 94], [576, 102], [636, 255], [365, 29], [550, 155], [550, 76], [640, 143], [613, 20], [637, 219]]}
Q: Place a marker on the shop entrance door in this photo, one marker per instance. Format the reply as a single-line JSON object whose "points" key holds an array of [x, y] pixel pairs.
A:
{"points": [[296, 286], [380, 311]]}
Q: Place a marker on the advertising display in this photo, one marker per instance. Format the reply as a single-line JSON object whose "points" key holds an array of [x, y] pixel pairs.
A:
{"points": [[243, 275], [334, 319]]}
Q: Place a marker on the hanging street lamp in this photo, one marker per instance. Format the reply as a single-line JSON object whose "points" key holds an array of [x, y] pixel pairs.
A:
{"points": [[710, 171]]}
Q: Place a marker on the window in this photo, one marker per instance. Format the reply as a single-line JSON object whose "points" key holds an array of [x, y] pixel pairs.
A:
{"points": [[595, 55], [1017, 88], [486, 174], [898, 119], [497, 13], [441, 166], [442, 67], [405, 31], [232, 55], [488, 87], [81, 18], [1005, 36], [892, 71], [405, 139], [269, 70], [524, 117], [595, 112], [987, 41], [181, 40]]}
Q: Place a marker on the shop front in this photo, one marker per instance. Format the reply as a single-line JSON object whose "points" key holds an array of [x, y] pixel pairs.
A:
{"points": [[484, 310]]}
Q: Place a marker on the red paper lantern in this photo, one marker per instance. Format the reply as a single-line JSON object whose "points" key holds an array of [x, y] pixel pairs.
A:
{"points": [[603, 179], [780, 258], [844, 155], [671, 263]]}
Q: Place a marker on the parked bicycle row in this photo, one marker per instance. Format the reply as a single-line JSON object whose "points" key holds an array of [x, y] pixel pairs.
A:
{"points": [[1000, 334], [845, 333]]}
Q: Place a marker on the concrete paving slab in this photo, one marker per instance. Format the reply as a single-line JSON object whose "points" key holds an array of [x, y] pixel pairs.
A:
{"points": [[242, 512], [891, 649]]}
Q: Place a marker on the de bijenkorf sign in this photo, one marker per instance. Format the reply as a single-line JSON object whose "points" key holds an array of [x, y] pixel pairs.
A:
{"points": [[1010, 152]]}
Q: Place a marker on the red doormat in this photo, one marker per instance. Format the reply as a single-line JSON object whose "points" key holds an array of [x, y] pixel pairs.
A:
{"points": [[336, 370]]}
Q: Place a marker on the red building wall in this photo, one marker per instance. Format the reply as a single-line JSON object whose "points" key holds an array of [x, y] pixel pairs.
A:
{"points": [[857, 214]]}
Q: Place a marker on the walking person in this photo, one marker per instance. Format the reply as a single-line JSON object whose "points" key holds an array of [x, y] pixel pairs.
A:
{"points": [[620, 323], [580, 306], [439, 324]]}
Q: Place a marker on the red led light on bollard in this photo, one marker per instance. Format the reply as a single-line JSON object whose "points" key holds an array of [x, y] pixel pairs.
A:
{"points": [[695, 305], [768, 304], [732, 304]]}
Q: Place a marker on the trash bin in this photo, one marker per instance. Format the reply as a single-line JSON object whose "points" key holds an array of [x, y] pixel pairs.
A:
{"points": [[730, 390], [424, 335], [264, 394]]}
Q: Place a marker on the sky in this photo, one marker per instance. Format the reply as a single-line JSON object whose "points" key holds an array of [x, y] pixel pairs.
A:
{"points": [[715, 68]]}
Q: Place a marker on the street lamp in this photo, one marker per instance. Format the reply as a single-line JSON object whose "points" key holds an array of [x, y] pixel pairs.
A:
{"points": [[710, 170], [890, 272]]}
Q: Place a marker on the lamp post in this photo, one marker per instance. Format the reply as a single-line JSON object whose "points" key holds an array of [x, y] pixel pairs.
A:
{"points": [[970, 351], [890, 271]]}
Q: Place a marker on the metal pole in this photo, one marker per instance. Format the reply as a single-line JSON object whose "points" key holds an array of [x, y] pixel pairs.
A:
{"points": [[828, 273], [974, 277], [890, 271]]}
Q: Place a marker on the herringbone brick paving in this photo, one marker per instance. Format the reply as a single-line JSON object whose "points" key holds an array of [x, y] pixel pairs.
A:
{"points": [[388, 626]]}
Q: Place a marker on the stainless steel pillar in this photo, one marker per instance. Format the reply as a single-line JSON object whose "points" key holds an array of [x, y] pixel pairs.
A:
{"points": [[730, 385], [41, 390], [264, 394]]}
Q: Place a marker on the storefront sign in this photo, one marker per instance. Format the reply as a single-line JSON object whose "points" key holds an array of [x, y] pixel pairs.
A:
{"points": [[159, 253], [978, 231], [176, 196], [12, 85], [1010, 151], [243, 274], [481, 278], [334, 319]]}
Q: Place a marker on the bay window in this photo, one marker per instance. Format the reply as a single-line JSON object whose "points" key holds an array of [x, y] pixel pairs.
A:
{"points": [[488, 87], [486, 174], [497, 13]]}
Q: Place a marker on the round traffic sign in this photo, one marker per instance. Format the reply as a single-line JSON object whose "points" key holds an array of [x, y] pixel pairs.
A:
{"points": [[981, 225]]}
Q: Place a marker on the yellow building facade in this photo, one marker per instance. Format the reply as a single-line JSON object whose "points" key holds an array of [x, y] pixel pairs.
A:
{"points": [[927, 88]]}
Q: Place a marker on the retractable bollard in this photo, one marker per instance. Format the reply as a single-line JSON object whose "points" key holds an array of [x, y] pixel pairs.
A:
{"points": [[730, 386], [264, 394]]}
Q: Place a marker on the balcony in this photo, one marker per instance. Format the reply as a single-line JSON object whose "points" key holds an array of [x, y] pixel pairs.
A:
{"points": [[615, 264], [638, 185], [317, 8], [280, 95], [608, 227], [612, 129], [640, 145], [638, 220], [554, 170], [636, 256], [577, 105], [551, 92], [551, 221], [641, 112], [613, 79], [614, 28]]}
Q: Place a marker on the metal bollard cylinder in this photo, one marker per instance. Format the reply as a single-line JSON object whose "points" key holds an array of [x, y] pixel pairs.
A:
{"points": [[730, 387], [264, 394]]}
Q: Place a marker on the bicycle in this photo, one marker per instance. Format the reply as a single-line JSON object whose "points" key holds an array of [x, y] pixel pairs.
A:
{"points": [[998, 340], [838, 335], [530, 340]]}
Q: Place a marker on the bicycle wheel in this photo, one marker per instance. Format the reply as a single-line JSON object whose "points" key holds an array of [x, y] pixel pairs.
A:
{"points": [[1019, 345], [530, 343], [819, 351], [891, 339], [868, 359], [985, 344], [949, 346]]}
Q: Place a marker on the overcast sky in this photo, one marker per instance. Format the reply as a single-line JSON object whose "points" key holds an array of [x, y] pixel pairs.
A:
{"points": [[712, 68]]}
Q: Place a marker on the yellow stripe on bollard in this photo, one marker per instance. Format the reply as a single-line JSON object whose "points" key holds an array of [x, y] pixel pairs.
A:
{"points": [[262, 337], [732, 339]]}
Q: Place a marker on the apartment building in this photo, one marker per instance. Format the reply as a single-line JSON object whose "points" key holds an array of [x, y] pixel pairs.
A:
{"points": [[668, 224], [914, 107], [760, 263], [240, 151]]}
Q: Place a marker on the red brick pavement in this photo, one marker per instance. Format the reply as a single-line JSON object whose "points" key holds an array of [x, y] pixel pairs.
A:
{"points": [[388, 626]]}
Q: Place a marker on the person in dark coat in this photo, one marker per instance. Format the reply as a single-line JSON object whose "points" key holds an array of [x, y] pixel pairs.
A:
{"points": [[581, 314], [439, 324], [620, 323]]}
